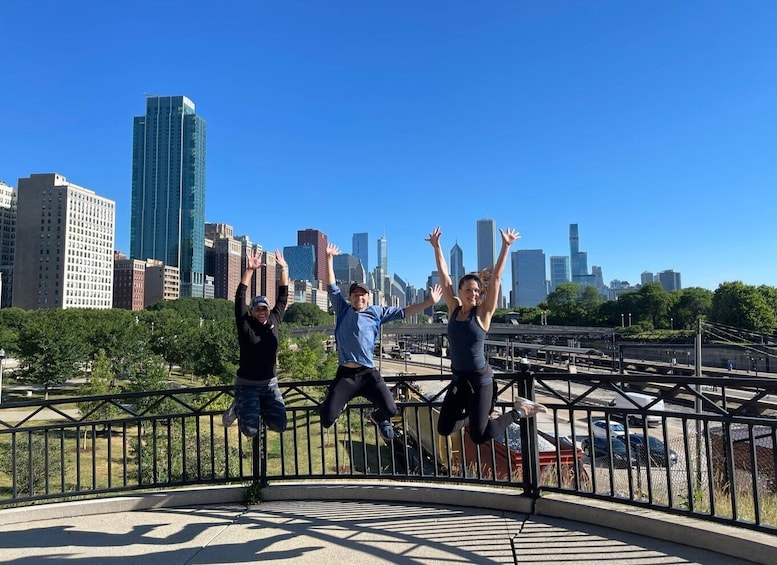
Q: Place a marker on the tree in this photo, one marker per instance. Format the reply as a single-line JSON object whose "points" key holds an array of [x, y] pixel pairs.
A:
{"points": [[216, 351], [689, 305], [590, 301], [654, 302], [51, 350], [742, 306], [305, 314], [99, 382], [564, 304], [307, 359], [11, 323]]}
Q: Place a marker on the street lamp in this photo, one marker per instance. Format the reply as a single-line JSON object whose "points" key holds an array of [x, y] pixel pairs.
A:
{"points": [[2, 362], [671, 324]]}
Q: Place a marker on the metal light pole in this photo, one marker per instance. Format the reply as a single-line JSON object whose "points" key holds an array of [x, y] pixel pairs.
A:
{"points": [[2, 362]]}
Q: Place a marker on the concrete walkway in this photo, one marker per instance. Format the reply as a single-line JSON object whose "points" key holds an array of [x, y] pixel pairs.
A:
{"points": [[172, 529]]}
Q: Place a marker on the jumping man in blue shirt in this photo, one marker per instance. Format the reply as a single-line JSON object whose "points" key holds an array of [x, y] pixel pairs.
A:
{"points": [[356, 331]]}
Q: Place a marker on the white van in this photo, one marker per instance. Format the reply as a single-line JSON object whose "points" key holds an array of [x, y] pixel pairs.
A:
{"points": [[636, 400]]}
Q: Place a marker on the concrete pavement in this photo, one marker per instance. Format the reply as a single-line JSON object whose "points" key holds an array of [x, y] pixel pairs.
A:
{"points": [[336, 523]]}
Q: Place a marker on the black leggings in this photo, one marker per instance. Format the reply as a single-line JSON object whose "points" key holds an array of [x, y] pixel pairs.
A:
{"points": [[359, 381], [468, 402]]}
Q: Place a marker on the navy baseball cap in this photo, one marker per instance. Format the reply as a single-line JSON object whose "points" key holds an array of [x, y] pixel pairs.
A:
{"points": [[258, 301]]}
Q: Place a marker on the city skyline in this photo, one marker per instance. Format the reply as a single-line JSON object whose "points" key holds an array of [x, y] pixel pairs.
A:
{"points": [[627, 120]]}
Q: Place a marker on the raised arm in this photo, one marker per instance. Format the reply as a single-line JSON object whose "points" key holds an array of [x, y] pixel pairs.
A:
{"points": [[281, 262], [253, 262], [448, 290], [488, 307], [331, 251]]}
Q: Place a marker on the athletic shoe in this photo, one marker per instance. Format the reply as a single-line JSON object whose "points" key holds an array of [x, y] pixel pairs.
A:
{"points": [[384, 426], [228, 418], [525, 408]]}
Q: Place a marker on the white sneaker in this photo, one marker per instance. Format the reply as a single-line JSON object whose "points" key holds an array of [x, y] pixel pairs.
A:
{"points": [[228, 418], [527, 408]]}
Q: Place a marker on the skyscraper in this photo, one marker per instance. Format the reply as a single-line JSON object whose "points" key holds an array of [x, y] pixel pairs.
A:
{"points": [[64, 245], [574, 252], [670, 280], [301, 260], [168, 188], [359, 249], [559, 270], [457, 264], [383, 254], [530, 285], [486, 230], [318, 241]]}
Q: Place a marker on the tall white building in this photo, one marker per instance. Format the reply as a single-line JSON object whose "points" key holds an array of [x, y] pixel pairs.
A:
{"points": [[64, 245]]}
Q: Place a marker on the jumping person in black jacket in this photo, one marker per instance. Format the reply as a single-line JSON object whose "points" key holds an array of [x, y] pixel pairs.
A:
{"points": [[256, 386]]}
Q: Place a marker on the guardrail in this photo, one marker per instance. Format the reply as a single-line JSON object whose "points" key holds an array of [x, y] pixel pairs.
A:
{"points": [[715, 458]]}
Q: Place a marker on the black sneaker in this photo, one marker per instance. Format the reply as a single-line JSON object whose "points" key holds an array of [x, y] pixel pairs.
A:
{"points": [[384, 426]]}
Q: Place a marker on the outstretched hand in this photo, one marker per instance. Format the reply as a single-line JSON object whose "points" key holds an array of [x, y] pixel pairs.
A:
{"points": [[509, 235], [434, 237], [436, 293], [254, 259], [280, 260], [332, 250]]}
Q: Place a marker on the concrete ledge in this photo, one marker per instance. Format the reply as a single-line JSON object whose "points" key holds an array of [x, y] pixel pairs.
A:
{"points": [[686, 530], [112, 505], [723, 539], [508, 500]]}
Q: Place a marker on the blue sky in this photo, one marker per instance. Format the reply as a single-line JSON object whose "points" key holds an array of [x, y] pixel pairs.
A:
{"points": [[652, 125]]}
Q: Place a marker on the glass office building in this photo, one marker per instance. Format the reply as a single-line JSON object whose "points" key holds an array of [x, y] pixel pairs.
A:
{"points": [[168, 189]]}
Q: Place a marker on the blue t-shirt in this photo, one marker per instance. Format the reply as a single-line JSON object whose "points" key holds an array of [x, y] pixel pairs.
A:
{"points": [[356, 332]]}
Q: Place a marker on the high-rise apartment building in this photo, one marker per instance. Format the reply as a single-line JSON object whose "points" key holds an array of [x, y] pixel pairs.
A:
{"points": [[559, 271], [318, 241], [646, 277], [456, 264], [163, 282], [268, 279], [223, 259], [129, 282], [64, 245], [168, 189], [7, 241], [359, 249], [247, 248], [670, 280], [486, 233], [530, 285]]}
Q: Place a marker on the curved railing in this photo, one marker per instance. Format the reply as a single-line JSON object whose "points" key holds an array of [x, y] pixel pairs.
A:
{"points": [[716, 459]]}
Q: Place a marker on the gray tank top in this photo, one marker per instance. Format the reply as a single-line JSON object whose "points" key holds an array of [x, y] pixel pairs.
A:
{"points": [[466, 342]]}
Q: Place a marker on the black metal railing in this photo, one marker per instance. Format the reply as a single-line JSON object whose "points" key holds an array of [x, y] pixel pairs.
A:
{"points": [[712, 454]]}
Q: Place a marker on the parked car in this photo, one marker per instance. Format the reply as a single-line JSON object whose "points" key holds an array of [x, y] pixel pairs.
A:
{"points": [[657, 453], [601, 448], [634, 400], [599, 427]]}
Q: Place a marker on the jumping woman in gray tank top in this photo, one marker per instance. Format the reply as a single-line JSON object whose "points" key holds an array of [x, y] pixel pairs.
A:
{"points": [[469, 400]]}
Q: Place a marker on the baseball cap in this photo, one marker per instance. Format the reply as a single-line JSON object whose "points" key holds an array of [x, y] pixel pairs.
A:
{"points": [[357, 285], [258, 301]]}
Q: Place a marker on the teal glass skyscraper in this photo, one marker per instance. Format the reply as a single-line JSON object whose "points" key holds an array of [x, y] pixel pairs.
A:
{"points": [[168, 189]]}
